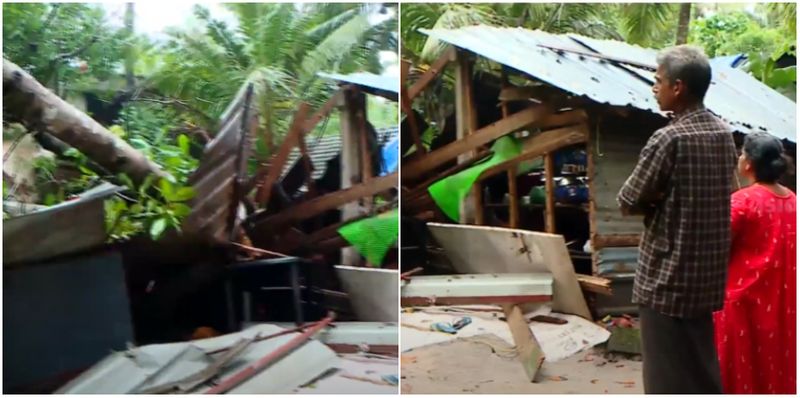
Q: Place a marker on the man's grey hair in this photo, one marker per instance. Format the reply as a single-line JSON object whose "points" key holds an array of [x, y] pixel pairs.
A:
{"points": [[688, 64]]}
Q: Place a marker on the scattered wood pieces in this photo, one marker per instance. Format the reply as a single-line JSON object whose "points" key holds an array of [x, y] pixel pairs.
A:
{"points": [[595, 284], [257, 250], [407, 275], [530, 353], [557, 378]]}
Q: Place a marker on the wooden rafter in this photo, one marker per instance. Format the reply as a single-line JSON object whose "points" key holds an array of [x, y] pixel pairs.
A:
{"points": [[538, 116], [541, 145], [279, 160], [449, 55], [318, 205], [405, 104]]}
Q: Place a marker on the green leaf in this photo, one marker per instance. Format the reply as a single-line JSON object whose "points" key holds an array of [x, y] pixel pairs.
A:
{"points": [[157, 228], [72, 153], [181, 210], [183, 143], [183, 194], [166, 189], [123, 178], [782, 77]]}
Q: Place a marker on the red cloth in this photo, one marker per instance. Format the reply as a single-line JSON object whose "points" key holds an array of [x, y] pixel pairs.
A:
{"points": [[756, 329]]}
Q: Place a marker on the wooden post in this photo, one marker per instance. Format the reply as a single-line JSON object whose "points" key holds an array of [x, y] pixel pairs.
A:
{"points": [[477, 196], [465, 107], [351, 167], [591, 147], [465, 110], [405, 105], [505, 85], [513, 209], [550, 208]]}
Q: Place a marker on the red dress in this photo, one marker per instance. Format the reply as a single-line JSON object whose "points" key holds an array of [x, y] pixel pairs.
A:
{"points": [[755, 331]]}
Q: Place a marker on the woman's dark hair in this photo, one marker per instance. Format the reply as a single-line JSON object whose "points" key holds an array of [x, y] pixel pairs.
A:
{"points": [[765, 152]]}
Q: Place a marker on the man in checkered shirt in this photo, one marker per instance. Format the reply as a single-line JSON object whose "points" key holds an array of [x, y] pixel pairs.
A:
{"points": [[682, 185]]}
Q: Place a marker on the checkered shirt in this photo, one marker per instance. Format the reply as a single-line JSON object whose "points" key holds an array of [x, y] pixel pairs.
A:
{"points": [[682, 183]]}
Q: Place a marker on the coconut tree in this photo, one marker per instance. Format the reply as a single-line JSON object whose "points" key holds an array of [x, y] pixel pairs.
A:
{"points": [[279, 48]]}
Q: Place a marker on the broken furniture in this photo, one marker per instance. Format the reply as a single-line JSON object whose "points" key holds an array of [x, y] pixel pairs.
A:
{"points": [[261, 284]]}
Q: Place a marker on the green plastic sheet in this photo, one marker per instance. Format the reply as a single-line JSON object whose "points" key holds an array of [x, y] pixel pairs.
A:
{"points": [[448, 193], [372, 237]]}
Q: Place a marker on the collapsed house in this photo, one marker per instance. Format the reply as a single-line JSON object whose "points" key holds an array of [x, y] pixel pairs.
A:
{"points": [[71, 298], [545, 130]]}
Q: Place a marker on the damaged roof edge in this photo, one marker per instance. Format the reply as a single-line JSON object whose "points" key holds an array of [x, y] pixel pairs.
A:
{"points": [[385, 86], [741, 100]]}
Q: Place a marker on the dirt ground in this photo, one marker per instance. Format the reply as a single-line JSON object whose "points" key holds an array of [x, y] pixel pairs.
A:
{"points": [[481, 366]]}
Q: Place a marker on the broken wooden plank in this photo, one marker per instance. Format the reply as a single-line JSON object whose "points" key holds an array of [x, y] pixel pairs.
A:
{"points": [[296, 132], [323, 111], [595, 284], [528, 349], [503, 250], [539, 116], [318, 205], [449, 55], [477, 289], [269, 359]]}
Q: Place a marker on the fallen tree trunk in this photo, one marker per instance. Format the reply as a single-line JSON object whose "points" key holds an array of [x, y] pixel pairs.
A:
{"points": [[26, 101]]}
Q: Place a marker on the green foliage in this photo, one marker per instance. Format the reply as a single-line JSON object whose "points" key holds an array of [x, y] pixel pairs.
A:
{"points": [[54, 41], [762, 65], [720, 30], [157, 207], [279, 48], [147, 128], [381, 113], [154, 210]]}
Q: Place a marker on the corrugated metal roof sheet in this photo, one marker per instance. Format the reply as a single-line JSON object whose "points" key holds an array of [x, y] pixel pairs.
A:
{"points": [[734, 61], [365, 79], [322, 149], [735, 96]]}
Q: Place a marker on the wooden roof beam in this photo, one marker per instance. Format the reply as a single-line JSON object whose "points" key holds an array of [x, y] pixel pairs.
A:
{"points": [[537, 116]]}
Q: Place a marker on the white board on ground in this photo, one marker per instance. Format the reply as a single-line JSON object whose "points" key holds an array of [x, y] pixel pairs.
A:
{"points": [[557, 341], [488, 250], [373, 292]]}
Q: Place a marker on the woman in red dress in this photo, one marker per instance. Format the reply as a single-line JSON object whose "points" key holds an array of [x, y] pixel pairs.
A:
{"points": [[755, 331]]}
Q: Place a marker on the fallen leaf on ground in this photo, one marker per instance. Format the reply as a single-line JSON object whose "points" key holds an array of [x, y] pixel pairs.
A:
{"points": [[620, 365], [557, 378], [594, 381]]}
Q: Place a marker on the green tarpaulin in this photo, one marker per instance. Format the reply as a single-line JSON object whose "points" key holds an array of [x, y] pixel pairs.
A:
{"points": [[449, 192], [372, 237]]}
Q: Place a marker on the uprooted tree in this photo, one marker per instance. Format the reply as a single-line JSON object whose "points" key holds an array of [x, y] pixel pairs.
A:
{"points": [[28, 102]]}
